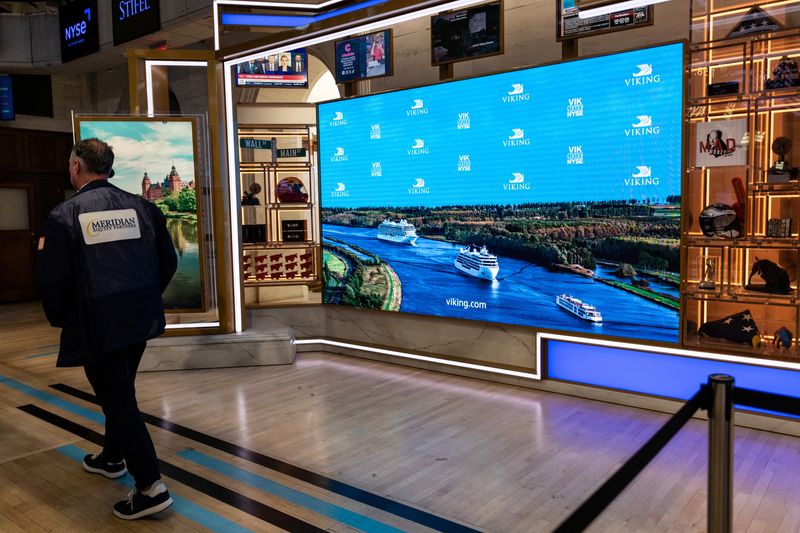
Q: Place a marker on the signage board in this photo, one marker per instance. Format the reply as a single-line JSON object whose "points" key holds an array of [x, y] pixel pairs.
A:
{"points": [[79, 30]]}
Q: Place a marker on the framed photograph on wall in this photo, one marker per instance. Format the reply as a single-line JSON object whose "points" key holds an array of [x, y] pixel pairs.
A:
{"points": [[156, 158], [719, 143]]}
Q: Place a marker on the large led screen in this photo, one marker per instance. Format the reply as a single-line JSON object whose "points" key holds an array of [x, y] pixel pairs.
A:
{"points": [[156, 159], [547, 197]]}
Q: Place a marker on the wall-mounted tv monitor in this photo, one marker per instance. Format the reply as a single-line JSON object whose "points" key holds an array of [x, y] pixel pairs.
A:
{"points": [[467, 33], [500, 199], [283, 69], [364, 57]]}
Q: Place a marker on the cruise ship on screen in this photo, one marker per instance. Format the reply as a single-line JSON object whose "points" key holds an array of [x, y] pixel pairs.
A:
{"points": [[579, 308], [477, 262], [400, 232]]}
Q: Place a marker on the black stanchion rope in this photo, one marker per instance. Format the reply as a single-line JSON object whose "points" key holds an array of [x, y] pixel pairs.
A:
{"points": [[602, 497], [766, 400]]}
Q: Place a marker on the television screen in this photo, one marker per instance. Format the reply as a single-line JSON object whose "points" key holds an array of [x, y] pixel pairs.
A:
{"points": [[156, 159], [501, 199], [364, 57], [466, 34], [33, 94], [283, 69], [6, 99]]}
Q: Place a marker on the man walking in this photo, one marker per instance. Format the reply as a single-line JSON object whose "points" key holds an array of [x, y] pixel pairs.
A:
{"points": [[103, 262]]}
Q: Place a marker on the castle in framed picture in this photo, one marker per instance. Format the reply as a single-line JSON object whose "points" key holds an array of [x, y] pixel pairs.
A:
{"points": [[156, 159]]}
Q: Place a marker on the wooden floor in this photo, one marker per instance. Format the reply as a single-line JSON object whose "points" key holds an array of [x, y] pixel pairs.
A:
{"points": [[482, 455]]}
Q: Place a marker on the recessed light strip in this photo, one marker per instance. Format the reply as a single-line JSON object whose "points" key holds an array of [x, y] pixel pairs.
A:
{"points": [[437, 360], [616, 8], [148, 75], [540, 337]]}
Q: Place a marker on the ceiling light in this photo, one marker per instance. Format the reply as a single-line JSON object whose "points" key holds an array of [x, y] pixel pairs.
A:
{"points": [[615, 7]]}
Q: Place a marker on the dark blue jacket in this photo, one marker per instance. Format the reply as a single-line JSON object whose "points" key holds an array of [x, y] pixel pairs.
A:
{"points": [[105, 259]]}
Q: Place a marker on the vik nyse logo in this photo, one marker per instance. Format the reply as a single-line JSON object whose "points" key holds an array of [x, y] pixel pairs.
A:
{"points": [[338, 120], [517, 183], [377, 171], [375, 131], [417, 108], [575, 155], [516, 94], [340, 191], [574, 107], [642, 177], [339, 155], [517, 138], [643, 76], [419, 187], [418, 148], [464, 164], [463, 121], [642, 126]]}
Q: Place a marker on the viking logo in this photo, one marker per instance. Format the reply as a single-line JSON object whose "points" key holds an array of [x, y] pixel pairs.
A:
{"points": [[517, 183], [517, 138], [417, 108], [643, 76], [516, 94]]}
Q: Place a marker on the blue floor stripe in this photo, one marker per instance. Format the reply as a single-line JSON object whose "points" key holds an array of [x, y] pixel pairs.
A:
{"points": [[54, 400], [35, 355], [182, 506], [340, 514], [44, 346]]}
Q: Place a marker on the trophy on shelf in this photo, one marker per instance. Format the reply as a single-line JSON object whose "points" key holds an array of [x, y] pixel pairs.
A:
{"points": [[709, 281], [250, 196], [785, 74], [780, 171]]}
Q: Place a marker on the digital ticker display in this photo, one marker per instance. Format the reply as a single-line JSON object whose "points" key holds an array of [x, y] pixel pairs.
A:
{"points": [[546, 197]]}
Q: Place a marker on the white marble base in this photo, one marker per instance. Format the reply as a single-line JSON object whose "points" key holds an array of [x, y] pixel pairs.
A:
{"points": [[252, 348]]}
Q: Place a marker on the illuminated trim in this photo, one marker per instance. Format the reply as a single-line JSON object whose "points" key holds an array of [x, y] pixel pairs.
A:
{"points": [[292, 21], [428, 359], [616, 7], [231, 133], [148, 75], [656, 350], [251, 3], [305, 43], [197, 325], [233, 201]]}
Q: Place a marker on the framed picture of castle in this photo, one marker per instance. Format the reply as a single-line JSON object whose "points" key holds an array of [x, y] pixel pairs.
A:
{"points": [[156, 158]]}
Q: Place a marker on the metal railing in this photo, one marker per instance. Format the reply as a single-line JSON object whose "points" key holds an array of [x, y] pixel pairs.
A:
{"points": [[718, 397]]}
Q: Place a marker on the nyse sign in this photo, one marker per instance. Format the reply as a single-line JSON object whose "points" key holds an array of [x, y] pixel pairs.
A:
{"points": [[135, 18], [79, 29]]}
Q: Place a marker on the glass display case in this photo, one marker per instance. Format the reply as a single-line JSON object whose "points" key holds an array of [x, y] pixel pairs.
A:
{"points": [[280, 226]]}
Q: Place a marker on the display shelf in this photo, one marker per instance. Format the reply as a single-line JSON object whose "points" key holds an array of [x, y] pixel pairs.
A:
{"points": [[275, 267], [724, 52], [764, 187], [765, 350], [747, 242]]}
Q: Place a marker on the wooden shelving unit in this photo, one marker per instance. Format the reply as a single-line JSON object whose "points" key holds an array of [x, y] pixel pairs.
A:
{"points": [[748, 60], [281, 254]]}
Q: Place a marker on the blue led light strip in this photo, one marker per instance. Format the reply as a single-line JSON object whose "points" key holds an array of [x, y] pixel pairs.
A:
{"points": [[290, 21]]}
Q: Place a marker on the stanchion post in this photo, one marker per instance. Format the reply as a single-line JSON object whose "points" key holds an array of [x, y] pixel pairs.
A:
{"points": [[720, 454]]}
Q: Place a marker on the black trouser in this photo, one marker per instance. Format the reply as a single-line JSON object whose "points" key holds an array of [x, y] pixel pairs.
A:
{"points": [[126, 437]]}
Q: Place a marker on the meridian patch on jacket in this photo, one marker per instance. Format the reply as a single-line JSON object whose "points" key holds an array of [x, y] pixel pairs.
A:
{"points": [[109, 226]]}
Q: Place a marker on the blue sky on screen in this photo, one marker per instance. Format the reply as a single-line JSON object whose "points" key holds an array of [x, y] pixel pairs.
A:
{"points": [[139, 146]]}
